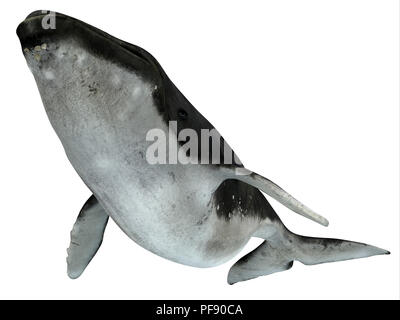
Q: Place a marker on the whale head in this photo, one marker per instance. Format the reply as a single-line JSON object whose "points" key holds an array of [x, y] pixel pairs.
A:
{"points": [[96, 89], [99, 91]]}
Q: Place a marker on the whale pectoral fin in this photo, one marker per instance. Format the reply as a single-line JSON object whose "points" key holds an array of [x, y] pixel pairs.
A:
{"points": [[274, 191], [86, 236]]}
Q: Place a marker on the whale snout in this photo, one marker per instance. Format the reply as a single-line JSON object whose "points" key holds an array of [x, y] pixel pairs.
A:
{"points": [[39, 36], [44, 32], [38, 28]]}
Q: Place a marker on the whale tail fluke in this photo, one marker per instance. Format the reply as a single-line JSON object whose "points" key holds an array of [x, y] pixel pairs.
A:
{"points": [[311, 250], [279, 252]]}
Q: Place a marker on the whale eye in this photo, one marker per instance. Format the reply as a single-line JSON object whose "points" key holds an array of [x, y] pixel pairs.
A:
{"points": [[182, 114]]}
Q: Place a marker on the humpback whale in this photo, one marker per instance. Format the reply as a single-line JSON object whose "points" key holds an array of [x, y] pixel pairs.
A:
{"points": [[108, 101]]}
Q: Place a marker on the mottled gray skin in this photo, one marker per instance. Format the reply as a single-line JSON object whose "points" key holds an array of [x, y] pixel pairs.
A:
{"points": [[101, 111], [167, 209]]}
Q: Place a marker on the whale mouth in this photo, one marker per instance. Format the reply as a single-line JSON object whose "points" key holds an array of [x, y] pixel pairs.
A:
{"points": [[46, 27]]}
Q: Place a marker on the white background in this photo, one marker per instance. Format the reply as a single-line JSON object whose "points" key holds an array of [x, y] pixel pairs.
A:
{"points": [[306, 92]]}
